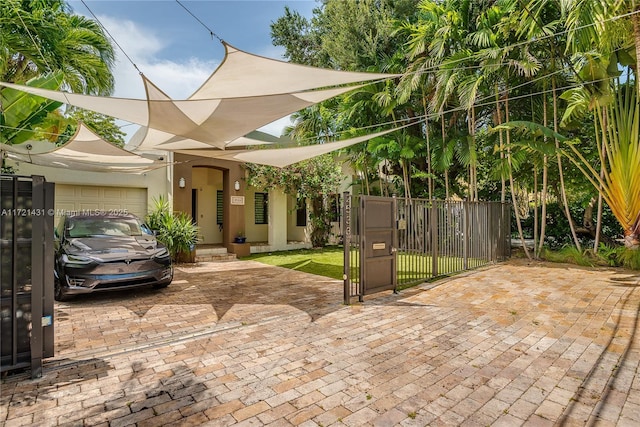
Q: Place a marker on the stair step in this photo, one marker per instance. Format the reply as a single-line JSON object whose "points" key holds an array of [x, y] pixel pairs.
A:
{"points": [[215, 257], [211, 251]]}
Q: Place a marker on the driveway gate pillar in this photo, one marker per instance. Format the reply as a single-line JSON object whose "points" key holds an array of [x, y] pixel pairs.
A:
{"points": [[26, 272]]}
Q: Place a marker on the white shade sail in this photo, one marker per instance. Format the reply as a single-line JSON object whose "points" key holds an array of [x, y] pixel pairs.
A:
{"points": [[135, 110], [243, 74], [281, 157], [146, 139], [231, 119], [245, 93], [85, 151]]}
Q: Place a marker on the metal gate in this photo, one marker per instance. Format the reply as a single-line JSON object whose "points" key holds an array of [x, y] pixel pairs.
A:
{"points": [[372, 234], [26, 272], [414, 240]]}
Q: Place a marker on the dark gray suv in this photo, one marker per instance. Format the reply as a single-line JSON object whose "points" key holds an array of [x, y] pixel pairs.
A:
{"points": [[100, 252]]}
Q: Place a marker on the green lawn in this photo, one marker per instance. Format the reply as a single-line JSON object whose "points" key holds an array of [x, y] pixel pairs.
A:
{"points": [[329, 262], [326, 262]]}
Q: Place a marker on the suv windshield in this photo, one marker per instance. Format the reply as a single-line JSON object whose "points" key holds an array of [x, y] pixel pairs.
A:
{"points": [[97, 227]]}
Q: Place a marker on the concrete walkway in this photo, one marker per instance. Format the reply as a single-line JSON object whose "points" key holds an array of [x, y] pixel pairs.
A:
{"points": [[241, 343]]}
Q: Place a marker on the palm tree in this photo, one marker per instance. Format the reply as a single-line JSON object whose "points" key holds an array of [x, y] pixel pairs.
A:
{"points": [[42, 44], [39, 38], [599, 40]]}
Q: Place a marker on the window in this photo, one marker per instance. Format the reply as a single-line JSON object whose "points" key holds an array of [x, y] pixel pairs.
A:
{"points": [[261, 201], [219, 207], [301, 212]]}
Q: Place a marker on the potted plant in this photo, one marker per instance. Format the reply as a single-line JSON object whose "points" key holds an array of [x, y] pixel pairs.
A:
{"points": [[175, 229], [240, 237]]}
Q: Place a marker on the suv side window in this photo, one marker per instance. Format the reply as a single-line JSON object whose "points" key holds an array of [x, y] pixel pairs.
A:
{"points": [[59, 230]]}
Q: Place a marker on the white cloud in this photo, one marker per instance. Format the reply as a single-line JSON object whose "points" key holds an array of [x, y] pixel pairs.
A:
{"points": [[137, 41], [178, 80]]}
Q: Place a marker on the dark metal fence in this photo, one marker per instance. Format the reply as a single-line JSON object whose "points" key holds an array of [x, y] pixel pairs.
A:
{"points": [[26, 272], [434, 238]]}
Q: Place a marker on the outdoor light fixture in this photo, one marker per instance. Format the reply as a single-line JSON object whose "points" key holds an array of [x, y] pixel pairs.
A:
{"points": [[236, 185], [181, 183]]}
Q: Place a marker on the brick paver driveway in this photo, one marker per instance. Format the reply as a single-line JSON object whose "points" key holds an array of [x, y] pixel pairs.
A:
{"points": [[248, 344]]}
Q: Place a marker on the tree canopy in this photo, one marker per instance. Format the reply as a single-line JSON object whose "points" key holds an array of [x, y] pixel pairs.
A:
{"points": [[469, 67], [44, 44]]}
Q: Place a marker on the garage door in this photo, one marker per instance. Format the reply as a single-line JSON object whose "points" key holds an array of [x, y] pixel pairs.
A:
{"points": [[93, 198]]}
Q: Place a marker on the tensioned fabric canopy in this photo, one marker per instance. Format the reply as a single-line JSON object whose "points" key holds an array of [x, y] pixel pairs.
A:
{"points": [[214, 122], [281, 157], [245, 93], [243, 74], [85, 151], [146, 139]]}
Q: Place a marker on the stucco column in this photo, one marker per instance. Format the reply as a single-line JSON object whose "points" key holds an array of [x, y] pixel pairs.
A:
{"points": [[182, 195], [234, 204], [277, 219]]}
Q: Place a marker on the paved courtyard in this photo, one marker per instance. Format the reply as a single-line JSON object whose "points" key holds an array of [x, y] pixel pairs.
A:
{"points": [[241, 343]]}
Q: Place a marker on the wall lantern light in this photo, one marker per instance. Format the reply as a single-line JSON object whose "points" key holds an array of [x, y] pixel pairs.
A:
{"points": [[182, 183], [236, 185]]}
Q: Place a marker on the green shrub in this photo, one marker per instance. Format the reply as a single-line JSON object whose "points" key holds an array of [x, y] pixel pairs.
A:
{"points": [[175, 229], [629, 258], [618, 256], [609, 255], [571, 255]]}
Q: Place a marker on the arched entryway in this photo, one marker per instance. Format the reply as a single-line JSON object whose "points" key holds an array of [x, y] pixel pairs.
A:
{"points": [[212, 192]]}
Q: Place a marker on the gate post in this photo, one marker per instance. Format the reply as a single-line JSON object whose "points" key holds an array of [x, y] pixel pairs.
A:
{"points": [[362, 215], [434, 238], [465, 234], [394, 243], [346, 241], [26, 243], [37, 278]]}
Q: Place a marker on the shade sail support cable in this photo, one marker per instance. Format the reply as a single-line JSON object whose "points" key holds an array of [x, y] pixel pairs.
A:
{"points": [[112, 38], [211, 32]]}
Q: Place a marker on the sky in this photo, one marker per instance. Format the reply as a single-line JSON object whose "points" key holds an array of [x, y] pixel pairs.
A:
{"points": [[177, 52]]}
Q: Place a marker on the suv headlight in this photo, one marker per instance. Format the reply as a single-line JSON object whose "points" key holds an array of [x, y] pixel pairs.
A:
{"points": [[161, 253], [78, 260]]}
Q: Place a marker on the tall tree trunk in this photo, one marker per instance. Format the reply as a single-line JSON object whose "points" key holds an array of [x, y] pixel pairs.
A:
{"points": [[511, 183], [366, 176], [503, 188], [405, 178], [536, 204], [536, 195], [563, 191], [426, 129], [446, 169], [603, 153], [469, 166], [472, 156], [545, 183]]}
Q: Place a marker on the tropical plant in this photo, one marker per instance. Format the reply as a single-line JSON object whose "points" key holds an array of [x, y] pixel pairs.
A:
{"points": [[24, 116], [313, 179], [618, 180], [175, 230], [41, 37], [43, 44], [619, 184]]}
